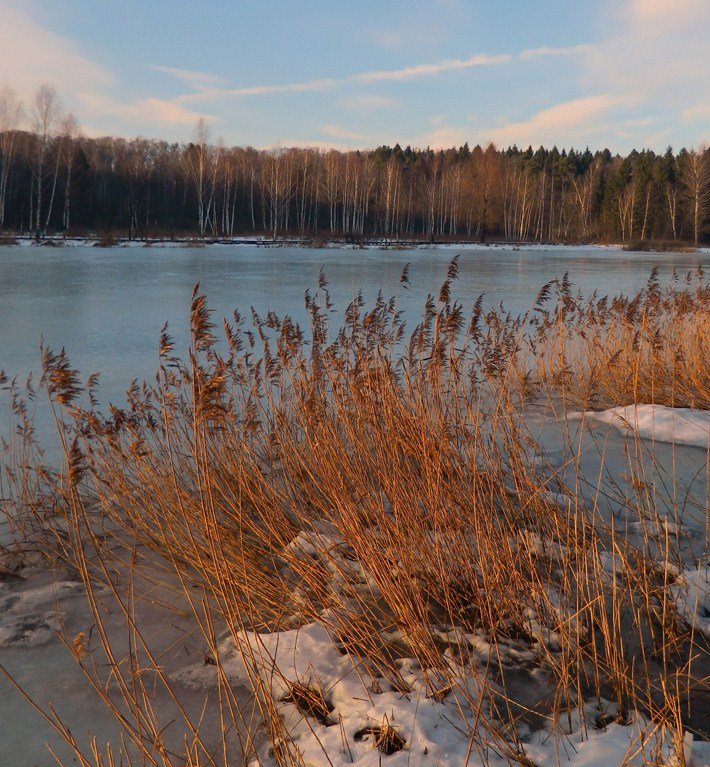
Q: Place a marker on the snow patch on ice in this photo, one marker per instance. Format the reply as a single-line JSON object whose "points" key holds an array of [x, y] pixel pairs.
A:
{"points": [[29, 618], [692, 595], [683, 426]]}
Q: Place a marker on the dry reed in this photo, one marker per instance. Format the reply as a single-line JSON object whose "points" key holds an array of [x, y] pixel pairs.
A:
{"points": [[384, 485]]}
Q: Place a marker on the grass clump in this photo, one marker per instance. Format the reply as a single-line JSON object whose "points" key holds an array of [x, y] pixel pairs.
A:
{"points": [[385, 738], [385, 485]]}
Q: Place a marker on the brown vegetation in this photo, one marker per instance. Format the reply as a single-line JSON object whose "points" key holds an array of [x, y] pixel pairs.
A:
{"points": [[387, 487]]}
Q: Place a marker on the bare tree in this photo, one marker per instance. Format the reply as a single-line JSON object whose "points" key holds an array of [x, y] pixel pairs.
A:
{"points": [[279, 187], [331, 185], [70, 132], [10, 116], [694, 177], [45, 112], [484, 175], [583, 186], [63, 154], [198, 158], [229, 182], [306, 189]]}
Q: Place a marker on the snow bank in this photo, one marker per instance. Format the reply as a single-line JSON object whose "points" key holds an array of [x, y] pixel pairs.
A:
{"points": [[682, 426], [435, 729]]}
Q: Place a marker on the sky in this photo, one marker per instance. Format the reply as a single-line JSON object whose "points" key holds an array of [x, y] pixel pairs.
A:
{"points": [[617, 74]]}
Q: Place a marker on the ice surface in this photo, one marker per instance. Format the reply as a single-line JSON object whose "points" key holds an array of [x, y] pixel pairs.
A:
{"points": [[38, 606]]}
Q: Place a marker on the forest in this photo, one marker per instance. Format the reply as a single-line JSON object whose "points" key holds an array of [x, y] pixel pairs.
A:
{"points": [[53, 180]]}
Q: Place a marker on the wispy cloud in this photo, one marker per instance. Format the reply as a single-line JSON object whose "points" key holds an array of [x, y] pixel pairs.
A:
{"points": [[440, 138], [307, 144], [409, 37], [188, 76], [699, 111], [656, 54], [427, 70], [261, 90], [424, 26], [385, 75], [163, 112], [534, 53]]}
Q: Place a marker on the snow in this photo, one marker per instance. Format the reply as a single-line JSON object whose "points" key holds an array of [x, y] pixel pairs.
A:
{"points": [[30, 617], [692, 594], [680, 426], [435, 729]]}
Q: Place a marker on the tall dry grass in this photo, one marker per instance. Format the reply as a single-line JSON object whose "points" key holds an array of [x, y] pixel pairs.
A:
{"points": [[386, 485]]}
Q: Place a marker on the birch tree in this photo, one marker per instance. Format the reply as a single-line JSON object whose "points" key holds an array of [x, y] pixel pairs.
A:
{"points": [[70, 130], [198, 158], [331, 186], [279, 188], [45, 113], [694, 177], [583, 186], [391, 192]]}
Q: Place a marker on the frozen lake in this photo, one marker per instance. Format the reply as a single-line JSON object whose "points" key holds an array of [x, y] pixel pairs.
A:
{"points": [[106, 306]]}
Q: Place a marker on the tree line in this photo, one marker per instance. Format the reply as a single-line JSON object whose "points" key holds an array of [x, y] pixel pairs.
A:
{"points": [[55, 180]]}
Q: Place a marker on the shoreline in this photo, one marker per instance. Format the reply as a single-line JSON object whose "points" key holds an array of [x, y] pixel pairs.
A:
{"points": [[97, 241]]}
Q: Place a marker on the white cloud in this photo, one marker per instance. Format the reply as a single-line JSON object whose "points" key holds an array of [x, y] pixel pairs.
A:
{"points": [[396, 75], [639, 84], [425, 26], [385, 75], [298, 143], [31, 55], [656, 55], [699, 111], [658, 14], [397, 39], [564, 124]]}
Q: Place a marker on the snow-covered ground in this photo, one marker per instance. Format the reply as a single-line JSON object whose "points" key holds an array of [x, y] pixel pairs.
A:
{"points": [[364, 708]]}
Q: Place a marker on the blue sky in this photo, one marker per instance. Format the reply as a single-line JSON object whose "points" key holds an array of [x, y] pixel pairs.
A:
{"points": [[620, 74]]}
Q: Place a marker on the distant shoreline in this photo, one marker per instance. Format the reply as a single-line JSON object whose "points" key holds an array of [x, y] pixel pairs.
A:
{"points": [[100, 241]]}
